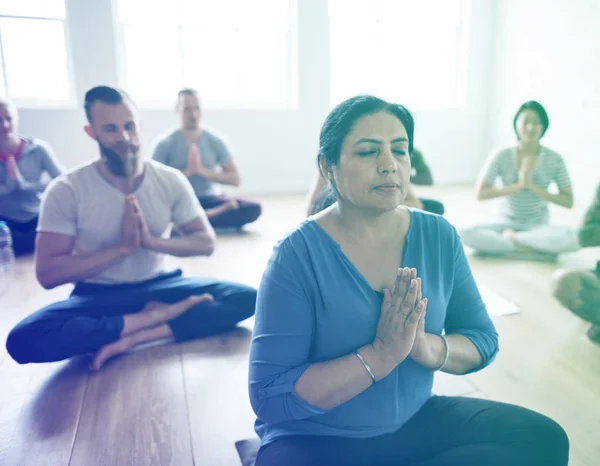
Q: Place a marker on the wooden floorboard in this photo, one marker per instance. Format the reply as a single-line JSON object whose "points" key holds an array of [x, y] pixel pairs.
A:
{"points": [[187, 404], [40, 407], [134, 412], [545, 363], [216, 378]]}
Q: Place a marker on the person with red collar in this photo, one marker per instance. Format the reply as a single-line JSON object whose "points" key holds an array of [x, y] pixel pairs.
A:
{"points": [[23, 161]]}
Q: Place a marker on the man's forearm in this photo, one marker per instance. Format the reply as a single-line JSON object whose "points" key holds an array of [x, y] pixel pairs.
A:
{"points": [[197, 244], [229, 178], [59, 270]]}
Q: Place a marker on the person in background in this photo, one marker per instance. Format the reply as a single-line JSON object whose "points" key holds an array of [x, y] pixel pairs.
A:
{"points": [[357, 309], [579, 290], [24, 161], [526, 171], [321, 195], [206, 161], [105, 227]]}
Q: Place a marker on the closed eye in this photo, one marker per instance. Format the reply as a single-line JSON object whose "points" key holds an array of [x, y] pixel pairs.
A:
{"points": [[366, 153]]}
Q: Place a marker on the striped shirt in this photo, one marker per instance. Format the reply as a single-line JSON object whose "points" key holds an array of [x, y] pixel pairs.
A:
{"points": [[524, 207]]}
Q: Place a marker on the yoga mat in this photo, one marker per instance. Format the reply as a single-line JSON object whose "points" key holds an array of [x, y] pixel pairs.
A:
{"points": [[497, 305]]}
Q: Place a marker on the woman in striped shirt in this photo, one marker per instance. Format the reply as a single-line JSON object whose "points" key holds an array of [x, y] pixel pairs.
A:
{"points": [[526, 172]]}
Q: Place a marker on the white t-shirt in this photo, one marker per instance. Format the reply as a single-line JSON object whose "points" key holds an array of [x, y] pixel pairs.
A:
{"points": [[84, 204]]}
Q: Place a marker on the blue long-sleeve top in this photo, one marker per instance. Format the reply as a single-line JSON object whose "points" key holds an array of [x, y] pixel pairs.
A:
{"points": [[314, 305]]}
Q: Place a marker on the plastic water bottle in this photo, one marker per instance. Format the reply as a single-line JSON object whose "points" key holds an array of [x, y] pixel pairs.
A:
{"points": [[7, 256]]}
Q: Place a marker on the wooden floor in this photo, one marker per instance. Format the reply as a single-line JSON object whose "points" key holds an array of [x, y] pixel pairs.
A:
{"points": [[187, 404]]}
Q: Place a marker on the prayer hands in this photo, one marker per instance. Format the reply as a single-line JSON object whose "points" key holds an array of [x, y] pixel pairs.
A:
{"points": [[526, 172], [194, 161], [143, 231], [402, 318], [131, 238], [12, 169]]}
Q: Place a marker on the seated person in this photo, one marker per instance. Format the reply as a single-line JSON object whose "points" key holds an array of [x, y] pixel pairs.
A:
{"points": [[105, 226], [321, 195], [206, 161], [23, 161], [350, 318], [421, 175], [579, 290], [526, 171]]}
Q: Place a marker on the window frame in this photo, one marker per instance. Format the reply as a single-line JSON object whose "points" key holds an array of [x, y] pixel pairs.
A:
{"points": [[29, 103], [459, 97], [292, 81]]}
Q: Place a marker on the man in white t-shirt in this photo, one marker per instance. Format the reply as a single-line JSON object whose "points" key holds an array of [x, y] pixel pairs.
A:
{"points": [[106, 226]]}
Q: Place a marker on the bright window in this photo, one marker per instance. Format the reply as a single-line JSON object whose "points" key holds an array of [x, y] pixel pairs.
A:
{"points": [[33, 51], [231, 51], [407, 51]]}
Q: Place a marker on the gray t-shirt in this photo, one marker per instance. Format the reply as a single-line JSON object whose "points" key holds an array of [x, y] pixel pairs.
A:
{"points": [[20, 202], [85, 205], [524, 207], [172, 150]]}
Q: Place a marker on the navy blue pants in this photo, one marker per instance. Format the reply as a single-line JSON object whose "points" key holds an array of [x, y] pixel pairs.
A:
{"points": [[447, 431], [93, 315], [23, 235], [247, 212]]}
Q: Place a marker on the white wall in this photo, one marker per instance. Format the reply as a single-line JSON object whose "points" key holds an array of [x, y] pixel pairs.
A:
{"points": [[275, 149], [550, 52]]}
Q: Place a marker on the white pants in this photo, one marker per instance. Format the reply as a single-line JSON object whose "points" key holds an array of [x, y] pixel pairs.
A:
{"points": [[550, 239]]}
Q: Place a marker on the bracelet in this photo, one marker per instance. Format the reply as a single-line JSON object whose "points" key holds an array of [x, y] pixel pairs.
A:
{"points": [[367, 367], [446, 355]]}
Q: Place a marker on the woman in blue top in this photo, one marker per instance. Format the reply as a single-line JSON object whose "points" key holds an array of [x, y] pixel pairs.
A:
{"points": [[349, 320]]}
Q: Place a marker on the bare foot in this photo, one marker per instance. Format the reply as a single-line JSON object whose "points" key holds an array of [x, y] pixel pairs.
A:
{"points": [[161, 312], [509, 234], [156, 313], [124, 344], [110, 351]]}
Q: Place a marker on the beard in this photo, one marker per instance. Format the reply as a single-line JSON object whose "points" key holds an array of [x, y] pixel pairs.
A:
{"points": [[125, 165]]}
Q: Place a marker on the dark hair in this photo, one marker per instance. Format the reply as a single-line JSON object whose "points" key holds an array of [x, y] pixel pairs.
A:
{"points": [[187, 91], [340, 122], [537, 108], [106, 94]]}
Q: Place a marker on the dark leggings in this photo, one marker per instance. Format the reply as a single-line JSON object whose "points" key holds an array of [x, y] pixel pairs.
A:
{"points": [[23, 235], [93, 315], [447, 431], [247, 212], [431, 205]]}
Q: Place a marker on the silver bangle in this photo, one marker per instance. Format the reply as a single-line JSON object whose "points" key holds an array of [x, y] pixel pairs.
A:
{"points": [[367, 367], [446, 355]]}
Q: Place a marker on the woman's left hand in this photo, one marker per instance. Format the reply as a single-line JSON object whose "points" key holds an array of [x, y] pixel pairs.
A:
{"points": [[421, 351]]}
